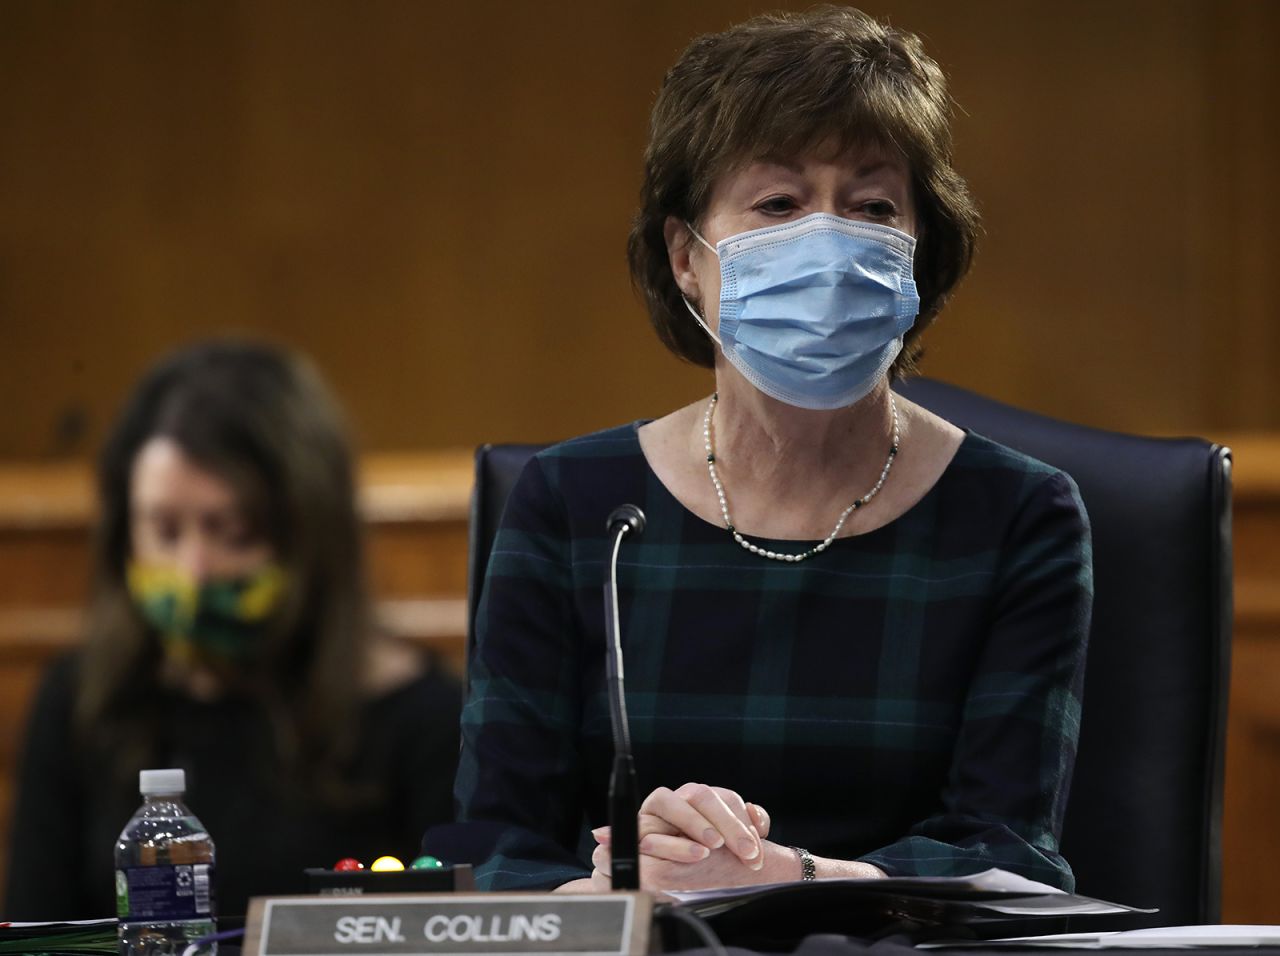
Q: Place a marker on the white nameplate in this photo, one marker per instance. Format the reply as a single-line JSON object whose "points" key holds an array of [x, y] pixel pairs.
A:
{"points": [[613, 924]]}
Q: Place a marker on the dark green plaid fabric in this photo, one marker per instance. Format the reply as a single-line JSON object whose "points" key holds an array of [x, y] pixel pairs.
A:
{"points": [[910, 697]]}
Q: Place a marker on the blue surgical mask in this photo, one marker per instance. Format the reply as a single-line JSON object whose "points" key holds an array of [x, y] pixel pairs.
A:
{"points": [[812, 312]]}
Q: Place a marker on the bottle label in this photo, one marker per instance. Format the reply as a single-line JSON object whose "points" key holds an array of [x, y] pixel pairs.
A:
{"points": [[164, 891]]}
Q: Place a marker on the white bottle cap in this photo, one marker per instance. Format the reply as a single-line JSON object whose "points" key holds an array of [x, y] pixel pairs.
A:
{"points": [[157, 782]]}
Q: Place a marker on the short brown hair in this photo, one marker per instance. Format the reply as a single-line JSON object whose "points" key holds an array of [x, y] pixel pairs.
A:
{"points": [[781, 84]]}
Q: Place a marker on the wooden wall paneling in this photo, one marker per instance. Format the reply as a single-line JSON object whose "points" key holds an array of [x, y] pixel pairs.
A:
{"points": [[1251, 833], [47, 566], [417, 509], [1235, 221], [19, 677], [429, 559], [444, 230], [419, 573], [1239, 243], [1252, 829]]}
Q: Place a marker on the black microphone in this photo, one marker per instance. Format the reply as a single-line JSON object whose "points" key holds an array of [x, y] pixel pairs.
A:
{"points": [[624, 801]]}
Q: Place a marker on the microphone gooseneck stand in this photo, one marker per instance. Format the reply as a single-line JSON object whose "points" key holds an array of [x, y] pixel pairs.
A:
{"points": [[624, 801]]}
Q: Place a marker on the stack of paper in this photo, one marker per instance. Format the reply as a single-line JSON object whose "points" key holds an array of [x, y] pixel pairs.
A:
{"points": [[1160, 937]]}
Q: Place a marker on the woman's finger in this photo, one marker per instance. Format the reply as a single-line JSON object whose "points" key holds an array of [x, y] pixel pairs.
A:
{"points": [[677, 849], [712, 816], [738, 836], [679, 814], [646, 823], [650, 823], [602, 859], [760, 819], [733, 800]]}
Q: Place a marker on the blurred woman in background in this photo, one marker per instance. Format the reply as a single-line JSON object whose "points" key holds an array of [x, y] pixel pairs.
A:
{"points": [[230, 634]]}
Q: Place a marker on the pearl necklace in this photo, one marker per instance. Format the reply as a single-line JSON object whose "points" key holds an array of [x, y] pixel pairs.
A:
{"points": [[825, 542]]}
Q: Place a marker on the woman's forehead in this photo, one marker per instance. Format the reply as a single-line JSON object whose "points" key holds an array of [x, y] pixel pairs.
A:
{"points": [[165, 476], [855, 147], [860, 155], [869, 161]]}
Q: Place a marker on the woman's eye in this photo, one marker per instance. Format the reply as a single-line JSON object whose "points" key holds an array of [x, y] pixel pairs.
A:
{"points": [[239, 537], [166, 531], [245, 541], [879, 209], [776, 205]]}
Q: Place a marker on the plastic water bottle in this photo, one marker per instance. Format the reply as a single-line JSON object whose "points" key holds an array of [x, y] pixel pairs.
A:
{"points": [[164, 872]]}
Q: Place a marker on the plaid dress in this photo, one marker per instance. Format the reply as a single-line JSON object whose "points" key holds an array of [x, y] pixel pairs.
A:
{"points": [[910, 697]]}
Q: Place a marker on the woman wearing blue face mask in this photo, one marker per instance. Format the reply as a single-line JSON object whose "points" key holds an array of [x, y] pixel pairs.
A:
{"points": [[853, 632], [230, 634]]}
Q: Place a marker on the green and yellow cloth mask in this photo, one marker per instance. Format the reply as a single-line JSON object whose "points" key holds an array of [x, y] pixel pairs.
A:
{"points": [[220, 620]]}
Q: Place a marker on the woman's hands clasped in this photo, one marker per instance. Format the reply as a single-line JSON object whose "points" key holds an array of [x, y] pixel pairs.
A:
{"points": [[699, 836]]}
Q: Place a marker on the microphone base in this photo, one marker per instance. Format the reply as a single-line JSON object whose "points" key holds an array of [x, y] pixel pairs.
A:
{"points": [[624, 806]]}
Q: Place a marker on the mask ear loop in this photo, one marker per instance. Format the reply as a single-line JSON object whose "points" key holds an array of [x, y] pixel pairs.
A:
{"points": [[697, 318], [689, 305]]}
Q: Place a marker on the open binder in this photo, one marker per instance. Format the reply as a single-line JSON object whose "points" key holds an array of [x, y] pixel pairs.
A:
{"points": [[985, 905]]}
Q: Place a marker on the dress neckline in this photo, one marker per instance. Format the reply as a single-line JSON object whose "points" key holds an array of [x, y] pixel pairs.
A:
{"points": [[633, 434]]}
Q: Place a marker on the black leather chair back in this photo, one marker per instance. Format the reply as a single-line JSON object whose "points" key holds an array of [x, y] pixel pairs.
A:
{"points": [[1143, 823], [1144, 820], [497, 468]]}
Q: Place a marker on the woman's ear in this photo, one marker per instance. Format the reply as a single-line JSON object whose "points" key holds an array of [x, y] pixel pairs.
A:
{"points": [[680, 249]]}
